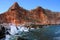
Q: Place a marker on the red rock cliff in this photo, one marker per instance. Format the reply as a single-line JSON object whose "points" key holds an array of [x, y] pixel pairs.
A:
{"points": [[19, 15]]}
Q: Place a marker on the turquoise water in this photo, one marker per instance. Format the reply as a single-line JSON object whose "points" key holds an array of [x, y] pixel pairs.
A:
{"points": [[45, 33]]}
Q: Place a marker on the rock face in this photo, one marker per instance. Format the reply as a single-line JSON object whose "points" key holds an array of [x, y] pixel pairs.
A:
{"points": [[19, 15]]}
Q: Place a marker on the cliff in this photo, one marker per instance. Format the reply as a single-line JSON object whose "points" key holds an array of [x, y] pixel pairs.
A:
{"points": [[19, 15]]}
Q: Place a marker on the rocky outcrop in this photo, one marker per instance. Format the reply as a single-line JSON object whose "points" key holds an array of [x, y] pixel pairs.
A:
{"points": [[15, 14], [19, 15], [2, 32]]}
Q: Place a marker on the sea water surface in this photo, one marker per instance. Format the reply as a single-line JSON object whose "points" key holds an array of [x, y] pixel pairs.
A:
{"points": [[51, 32]]}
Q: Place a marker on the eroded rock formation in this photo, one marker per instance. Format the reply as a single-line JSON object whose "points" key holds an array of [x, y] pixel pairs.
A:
{"points": [[19, 15]]}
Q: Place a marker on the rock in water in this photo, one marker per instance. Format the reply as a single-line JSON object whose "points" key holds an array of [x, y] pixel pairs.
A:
{"points": [[2, 31]]}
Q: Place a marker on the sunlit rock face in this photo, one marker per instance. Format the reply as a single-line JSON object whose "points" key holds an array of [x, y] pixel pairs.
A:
{"points": [[19, 15], [39, 16], [15, 14]]}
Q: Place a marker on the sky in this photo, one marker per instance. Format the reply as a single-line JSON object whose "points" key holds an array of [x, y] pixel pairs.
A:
{"points": [[53, 5]]}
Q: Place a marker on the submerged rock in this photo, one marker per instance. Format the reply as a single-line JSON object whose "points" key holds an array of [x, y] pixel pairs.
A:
{"points": [[19, 38]]}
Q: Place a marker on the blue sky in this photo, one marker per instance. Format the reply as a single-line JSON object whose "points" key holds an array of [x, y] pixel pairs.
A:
{"points": [[53, 5]]}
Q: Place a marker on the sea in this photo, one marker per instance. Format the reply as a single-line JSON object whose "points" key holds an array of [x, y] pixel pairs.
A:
{"points": [[50, 32]]}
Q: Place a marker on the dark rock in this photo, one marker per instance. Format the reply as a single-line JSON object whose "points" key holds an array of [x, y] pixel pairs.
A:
{"points": [[2, 31], [20, 38]]}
